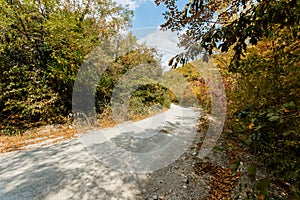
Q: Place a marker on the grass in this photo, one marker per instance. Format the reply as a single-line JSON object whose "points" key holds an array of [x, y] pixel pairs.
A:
{"points": [[46, 135], [37, 135]]}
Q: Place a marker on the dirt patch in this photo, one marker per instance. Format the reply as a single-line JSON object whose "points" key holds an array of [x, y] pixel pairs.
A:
{"points": [[42, 136], [51, 134], [193, 178]]}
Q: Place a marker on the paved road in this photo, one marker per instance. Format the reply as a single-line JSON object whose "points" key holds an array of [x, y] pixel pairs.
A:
{"points": [[74, 169]]}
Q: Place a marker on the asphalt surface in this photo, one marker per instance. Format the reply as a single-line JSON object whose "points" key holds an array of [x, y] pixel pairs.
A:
{"points": [[103, 164]]}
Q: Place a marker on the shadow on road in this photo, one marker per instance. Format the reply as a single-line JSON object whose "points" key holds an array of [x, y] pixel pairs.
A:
{"points": [[62, 171], [70, 171]]}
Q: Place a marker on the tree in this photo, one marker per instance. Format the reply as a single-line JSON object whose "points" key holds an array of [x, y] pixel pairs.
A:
{"points": [[223, 24], [264, 104], [43, 44], [125, 54], [259, 44]]}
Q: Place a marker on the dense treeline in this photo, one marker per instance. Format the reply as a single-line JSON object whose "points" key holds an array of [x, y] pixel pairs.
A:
{"points": [[44, 43], [42, 47], [263, 97], [259, 52]]}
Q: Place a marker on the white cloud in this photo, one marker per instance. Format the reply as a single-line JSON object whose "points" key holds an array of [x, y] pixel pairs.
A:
{"points": [[133, 4], [166, 43]]}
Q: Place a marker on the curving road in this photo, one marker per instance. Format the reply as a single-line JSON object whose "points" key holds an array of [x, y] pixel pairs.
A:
{"points": [[101, 164]]}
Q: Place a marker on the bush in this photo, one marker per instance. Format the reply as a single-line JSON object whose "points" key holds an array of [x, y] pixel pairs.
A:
{"points": [[264, 104], [42, 46]]}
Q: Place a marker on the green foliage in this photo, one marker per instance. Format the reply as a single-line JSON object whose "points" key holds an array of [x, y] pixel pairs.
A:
{"points": [[264, 104], [197, 87], [127, 56], [223, 24], [262, 187], [26, 98], [262, 81], [149, 99], [252, 171], [43, 44], [235, 165], [131, 84]]}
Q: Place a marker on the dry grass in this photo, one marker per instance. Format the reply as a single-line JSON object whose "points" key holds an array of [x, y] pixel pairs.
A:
{"points": [[38, 135], [141, 117], [52, 134]]}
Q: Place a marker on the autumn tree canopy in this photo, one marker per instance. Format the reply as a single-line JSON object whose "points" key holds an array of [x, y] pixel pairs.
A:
{"points": [[223, 24], [42, 47]]}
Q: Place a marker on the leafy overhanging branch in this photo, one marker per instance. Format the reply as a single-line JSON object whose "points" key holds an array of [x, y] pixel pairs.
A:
{"points": [[222, 24]]}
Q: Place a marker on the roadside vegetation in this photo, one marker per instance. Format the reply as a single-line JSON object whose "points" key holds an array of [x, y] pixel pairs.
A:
{"points": [[43, 45], [255, 45]]}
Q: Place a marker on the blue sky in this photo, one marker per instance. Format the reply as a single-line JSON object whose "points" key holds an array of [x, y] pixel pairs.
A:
{"points": [[145, 25], [148, 15]]}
